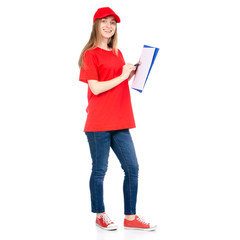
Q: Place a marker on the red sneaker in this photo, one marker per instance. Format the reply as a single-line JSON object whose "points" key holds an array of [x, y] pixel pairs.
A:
{"points": [[105, 222], [138, 224]]}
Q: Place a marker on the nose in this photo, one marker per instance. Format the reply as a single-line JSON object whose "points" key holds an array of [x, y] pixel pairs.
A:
{"points": [[108, 24]]}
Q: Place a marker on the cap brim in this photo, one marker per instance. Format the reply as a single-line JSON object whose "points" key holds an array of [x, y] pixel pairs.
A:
{"points": [[117, 18]]}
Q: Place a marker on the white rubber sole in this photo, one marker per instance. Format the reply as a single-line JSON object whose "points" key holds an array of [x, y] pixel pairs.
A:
{"points": [[142, 229], [108, 228]]}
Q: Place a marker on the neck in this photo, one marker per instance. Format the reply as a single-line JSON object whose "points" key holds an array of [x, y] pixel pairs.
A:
{"points": [[103, 44]]}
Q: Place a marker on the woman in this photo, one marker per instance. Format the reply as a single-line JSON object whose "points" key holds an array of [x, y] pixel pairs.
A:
{"points": [[109, 117]]}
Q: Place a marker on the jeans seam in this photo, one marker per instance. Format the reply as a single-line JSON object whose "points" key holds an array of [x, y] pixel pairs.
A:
{"points": [[128, 172], [95, 199]]}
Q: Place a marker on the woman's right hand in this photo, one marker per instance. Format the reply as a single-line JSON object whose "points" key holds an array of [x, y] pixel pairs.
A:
{"points": [[127, 69]]}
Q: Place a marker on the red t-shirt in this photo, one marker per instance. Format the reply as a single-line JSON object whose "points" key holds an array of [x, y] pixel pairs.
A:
{"points": [[110, 110]]}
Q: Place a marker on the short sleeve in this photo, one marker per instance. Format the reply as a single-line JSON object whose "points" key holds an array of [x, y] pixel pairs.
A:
{"points": [[89, 70]]}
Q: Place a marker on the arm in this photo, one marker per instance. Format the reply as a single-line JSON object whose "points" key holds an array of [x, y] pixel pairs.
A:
{"points": [[98, 87], [131, 75], [134, 72]]}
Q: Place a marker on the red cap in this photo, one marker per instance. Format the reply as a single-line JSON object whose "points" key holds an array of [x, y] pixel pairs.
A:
{"points": [[104, 12]]}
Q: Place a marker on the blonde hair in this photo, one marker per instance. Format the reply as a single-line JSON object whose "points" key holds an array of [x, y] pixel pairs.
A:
{"points": [[93, 40]]}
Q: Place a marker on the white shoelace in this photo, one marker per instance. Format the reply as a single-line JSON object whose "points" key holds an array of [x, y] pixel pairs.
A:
{"points": [[142, 220], [106, 219]]}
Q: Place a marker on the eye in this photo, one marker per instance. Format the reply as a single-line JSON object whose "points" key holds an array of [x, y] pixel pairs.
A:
{"points": [[113, 23]]}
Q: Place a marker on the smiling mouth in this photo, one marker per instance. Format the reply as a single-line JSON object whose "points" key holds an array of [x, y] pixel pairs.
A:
{"points": [[107, 31]]}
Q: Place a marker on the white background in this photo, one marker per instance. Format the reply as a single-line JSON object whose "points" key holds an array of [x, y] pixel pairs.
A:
{"points": [[187, 137]]}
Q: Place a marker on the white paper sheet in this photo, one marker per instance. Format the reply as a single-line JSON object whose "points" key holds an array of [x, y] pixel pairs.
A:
{"points": [[143, 69]]}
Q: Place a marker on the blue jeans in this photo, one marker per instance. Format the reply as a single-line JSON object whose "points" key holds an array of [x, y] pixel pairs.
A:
{"points": [[121, 143]]}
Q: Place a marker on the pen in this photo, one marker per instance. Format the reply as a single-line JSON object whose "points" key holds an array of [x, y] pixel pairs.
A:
{"points": [[136, 65]]}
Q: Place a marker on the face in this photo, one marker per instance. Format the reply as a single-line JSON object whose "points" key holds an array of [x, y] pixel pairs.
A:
{"points": [[107, 27]]}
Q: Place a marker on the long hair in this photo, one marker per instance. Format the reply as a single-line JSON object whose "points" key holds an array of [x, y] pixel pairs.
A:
{"points": [[93, 40]]}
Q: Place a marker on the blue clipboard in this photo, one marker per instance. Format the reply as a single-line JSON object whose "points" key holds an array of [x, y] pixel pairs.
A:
{"points": [[156, 50]]}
